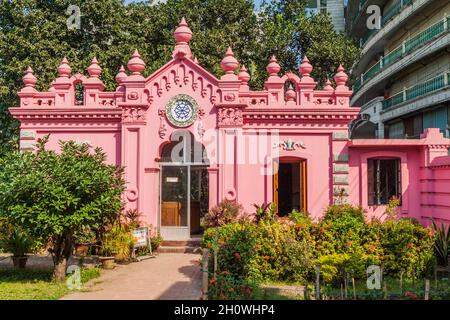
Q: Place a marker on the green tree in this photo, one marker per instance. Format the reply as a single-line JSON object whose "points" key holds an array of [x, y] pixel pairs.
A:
{"points": [[34, 33], [53, 195]]}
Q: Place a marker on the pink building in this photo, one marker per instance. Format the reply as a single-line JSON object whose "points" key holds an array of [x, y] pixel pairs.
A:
{"points": [[189, 140]]}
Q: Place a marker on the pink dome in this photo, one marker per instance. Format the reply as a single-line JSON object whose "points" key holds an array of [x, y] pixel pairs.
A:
{"points": [[64, 68], [328, 86], [121, 76], [229, 62], [183, 33], [340, 77], [290, 93], [273, 68], [29, 80], [305, 68], [244, 76], [94, 69], [136, 65]]}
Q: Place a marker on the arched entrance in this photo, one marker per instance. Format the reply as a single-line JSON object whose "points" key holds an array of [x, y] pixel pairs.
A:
{"points": [[289, 185], [183, 187]]}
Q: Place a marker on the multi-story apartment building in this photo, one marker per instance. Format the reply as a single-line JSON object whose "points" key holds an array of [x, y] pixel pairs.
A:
{"points": [[335, 8], [402, 80]]}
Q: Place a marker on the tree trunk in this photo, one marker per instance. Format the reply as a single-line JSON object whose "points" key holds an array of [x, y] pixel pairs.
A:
{"points": [[59, 272], [61, 252]]}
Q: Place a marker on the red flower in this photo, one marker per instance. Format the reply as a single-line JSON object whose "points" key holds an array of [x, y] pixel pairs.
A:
{"points": [[410, 245], [350, 243], [266, 258], [212, 282], [410, 295], [237, 255]]}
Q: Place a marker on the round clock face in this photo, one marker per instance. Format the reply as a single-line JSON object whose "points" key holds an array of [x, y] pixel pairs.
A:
{"points": [[181, 110]]}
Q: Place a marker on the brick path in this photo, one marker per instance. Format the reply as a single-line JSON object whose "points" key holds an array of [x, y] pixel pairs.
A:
{"points": [[170, 276]]}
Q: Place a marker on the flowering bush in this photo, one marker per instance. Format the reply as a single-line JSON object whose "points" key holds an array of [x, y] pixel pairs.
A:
{"points": [[342, 242]]}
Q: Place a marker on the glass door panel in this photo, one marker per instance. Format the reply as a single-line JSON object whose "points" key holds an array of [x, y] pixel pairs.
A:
{"points": [[174, 196]]}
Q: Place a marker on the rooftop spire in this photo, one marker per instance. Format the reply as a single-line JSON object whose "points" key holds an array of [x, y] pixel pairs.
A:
{"points": [[273, 68], [64, 68], [229, 62], [29, 80], [94, 69], [121, 75], [182, 35], [136, 65]]}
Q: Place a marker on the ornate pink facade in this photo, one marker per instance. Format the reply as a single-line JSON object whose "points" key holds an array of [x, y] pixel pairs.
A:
{"points": [[246, 134]]}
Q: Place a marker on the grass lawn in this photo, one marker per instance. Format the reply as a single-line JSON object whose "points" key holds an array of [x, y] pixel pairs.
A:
{"points": [[29, 284]]}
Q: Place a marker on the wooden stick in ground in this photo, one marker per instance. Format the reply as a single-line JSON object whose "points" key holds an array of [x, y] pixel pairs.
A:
{"points": [[345, 285], [342, 291], [354, 288], [205, 279], [317, 283], [427, 289], [401, 282]]}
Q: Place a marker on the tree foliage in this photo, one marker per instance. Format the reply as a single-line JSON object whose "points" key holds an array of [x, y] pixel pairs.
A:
{"points": [[34, 33], [53, 195]]}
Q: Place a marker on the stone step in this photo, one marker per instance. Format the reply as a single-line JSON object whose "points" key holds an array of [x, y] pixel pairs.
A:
{"points": [[181, 243], [179, 249]]}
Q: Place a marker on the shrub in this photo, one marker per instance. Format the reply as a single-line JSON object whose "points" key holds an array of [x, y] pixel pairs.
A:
{"points": [[155, 238], [226, 212], [227, 286], [442, 244], [407, 246]]}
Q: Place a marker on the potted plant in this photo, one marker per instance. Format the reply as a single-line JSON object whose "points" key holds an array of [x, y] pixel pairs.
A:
{"points": [[84, 238], [107, 252], [19, 244]]}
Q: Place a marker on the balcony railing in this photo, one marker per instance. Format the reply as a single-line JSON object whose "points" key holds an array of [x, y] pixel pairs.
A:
{"points": [[388, 15], [418, 90], [405, 48]]}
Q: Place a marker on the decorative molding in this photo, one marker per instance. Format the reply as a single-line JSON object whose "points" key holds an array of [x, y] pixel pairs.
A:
{"points": [[162, 125], [230, 117], [289, 145], [26, 145], [134, 113]]}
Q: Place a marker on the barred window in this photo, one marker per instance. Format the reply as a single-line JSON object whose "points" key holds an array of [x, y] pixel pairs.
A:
{"points": [[384, 180]]}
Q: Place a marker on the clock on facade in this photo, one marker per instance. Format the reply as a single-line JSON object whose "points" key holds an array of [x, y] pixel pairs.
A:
{"points": [[181, 110]]}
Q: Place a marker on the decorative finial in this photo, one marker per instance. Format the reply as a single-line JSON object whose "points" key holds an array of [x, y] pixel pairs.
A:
{"points": [[229, 62], [244, 76], [136, 65], [121, 76], [64, 68], [328, 86], [195, 60], [94, 69], [290, 93], [29, 80], [273, 68], [340, 77], [305, 68], [183, 33]]}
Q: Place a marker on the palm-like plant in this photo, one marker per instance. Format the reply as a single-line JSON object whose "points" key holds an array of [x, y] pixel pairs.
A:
{"points": [[442, 244], [18, 243]]}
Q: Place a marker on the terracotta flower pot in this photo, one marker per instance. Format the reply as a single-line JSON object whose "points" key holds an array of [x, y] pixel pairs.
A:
{"points": [[81, 249], [20, 262], [107, 262]]}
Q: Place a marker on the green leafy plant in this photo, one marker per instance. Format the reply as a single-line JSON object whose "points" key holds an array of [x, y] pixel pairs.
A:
{"points": [[53, 194], [441, 243], [155, 238], [18, 243], [265, 211]]}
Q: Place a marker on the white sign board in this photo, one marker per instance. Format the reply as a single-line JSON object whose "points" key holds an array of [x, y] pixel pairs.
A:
{"points": [[141, 237]]}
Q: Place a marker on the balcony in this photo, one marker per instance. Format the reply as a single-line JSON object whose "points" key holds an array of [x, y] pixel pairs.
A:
{"points": [[388, 15], [433, 39], [419, 90], [375, 40]]}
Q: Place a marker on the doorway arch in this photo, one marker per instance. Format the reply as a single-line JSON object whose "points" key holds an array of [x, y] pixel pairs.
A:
{"points": [[184, 186]]}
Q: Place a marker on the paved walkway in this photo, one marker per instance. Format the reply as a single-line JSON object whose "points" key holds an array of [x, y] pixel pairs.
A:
{"points": [[169, 276]]}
